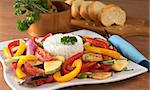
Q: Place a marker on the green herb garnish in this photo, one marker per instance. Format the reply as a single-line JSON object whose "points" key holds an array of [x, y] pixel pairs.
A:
{"points": [[31, 9], [68, 40]]}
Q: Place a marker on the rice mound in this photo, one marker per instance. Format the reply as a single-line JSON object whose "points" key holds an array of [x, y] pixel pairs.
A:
{"points": [[54, 46]]}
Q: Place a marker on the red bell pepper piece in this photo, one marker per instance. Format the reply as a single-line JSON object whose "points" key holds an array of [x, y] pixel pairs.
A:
{"points": [[36, 42], [95, 68], [44, 80], [44, 38], [97, 42], [69, 61], [42, 55], [14, 65], [105, 68], [33, 71], [40, 81], [87, 66], [11, 45]]}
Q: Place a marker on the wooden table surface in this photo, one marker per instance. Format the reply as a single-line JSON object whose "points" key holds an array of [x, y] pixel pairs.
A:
{"points": [[134, 8]]}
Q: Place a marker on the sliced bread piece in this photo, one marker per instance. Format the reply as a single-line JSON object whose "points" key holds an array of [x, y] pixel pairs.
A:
{"points": [[84, 10], [75, 9], [69, 2], [112, 14], [94, 9]]}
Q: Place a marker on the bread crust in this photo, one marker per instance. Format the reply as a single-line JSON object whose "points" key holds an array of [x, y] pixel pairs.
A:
{"points": [[75, 9], [84, 12], [112, 14], [91, 10], [69, 2]]}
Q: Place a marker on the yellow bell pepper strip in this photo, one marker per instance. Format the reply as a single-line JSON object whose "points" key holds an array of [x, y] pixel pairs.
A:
{"points": [[103, 51], [71, 75], [20, 74], [21, 48], [6, 52]]}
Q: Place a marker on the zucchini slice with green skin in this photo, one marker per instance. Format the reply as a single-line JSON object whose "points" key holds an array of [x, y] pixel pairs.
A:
{"points": [[51, 67]]}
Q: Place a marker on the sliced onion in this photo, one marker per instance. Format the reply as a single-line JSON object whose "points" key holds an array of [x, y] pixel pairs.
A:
{"points": [[30, 47]]}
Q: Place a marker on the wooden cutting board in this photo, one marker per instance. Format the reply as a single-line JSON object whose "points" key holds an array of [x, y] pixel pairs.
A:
{"points": [[132, 27]]}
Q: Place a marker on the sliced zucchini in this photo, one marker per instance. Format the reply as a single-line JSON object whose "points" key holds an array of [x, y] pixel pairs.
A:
{"points": [[101, 75], [51, 67], [119, 65]]}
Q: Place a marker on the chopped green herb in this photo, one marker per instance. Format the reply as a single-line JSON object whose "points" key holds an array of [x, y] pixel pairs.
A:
{"points": [[68, 40]]}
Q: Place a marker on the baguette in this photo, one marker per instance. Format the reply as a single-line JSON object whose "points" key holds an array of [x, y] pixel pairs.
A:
{"points": [[94, 9], [75, 9], [84, 10], [69, 2], [112, 14]]}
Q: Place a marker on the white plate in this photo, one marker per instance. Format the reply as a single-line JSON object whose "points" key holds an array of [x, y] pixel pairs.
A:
{"points": [[12, 80]]}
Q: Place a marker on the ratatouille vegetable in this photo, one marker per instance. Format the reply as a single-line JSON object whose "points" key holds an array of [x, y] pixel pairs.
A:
{"points": [[35, 65]]}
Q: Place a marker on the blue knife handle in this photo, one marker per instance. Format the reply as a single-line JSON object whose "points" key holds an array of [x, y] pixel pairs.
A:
{"points": [[126, 49]]}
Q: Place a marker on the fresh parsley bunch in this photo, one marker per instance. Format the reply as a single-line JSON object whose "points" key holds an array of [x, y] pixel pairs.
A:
{"points": [[31, 9]]}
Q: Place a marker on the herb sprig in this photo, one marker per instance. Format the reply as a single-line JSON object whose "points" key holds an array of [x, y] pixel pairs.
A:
{"points": [[67, 40], [31, 9]]}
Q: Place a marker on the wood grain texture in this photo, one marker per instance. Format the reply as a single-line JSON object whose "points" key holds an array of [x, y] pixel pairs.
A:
{"points": [[134, 8], [54, 22], [132, 27]]}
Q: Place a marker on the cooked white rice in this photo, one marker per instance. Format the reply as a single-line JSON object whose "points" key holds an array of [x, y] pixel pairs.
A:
{"points": [[54, 46]]}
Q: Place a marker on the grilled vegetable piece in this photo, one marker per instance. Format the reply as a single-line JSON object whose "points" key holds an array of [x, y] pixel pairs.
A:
{"points": [[119, 65], [103, 51], [51, 67], [30, 47], [59, 58], [13, 59], [101, 75], [42, 55], [37, 80], [71, 75], [108, 62], [83, 76], [33, 71], [91, 57]]}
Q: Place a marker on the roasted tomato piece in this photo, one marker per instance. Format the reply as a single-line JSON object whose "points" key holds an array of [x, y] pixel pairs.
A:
{"points": [[97, 42], [30, 69], [105, 68], [14, 65], [87, 66], [44, 80], [42, 55]]}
